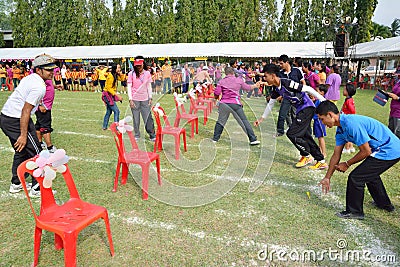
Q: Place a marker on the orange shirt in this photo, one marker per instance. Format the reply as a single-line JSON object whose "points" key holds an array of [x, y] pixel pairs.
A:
{"points": [[16, 73], [82, 74], [68, 74], [94, 76], [57, 77], [75, 75]]}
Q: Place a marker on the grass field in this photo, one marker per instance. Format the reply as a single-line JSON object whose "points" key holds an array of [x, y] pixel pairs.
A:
{"points": [[207, 212]]}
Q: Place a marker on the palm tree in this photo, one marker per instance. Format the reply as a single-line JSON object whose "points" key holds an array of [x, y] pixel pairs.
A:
{"points": [[379, 31], [395, 27]]}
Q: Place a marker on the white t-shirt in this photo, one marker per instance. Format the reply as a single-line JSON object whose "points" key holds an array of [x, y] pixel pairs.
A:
{"points": [[30, 90], [63, 71]]}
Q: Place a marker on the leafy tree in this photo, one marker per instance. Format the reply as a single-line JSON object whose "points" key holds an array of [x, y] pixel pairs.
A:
{"points": [[364, 12], [184, 21], [317, 30], [285, 23], [269, 18], [211, 29], [252, 22], [300, 25], [197, 23], [395, 27], [167, 22], [22, 21], [129, 30], [144, 23], [117, 22], [379, 31], [332, 13]]}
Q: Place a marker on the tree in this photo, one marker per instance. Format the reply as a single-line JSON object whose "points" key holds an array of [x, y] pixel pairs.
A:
{"points": [[395, 27], [184, 21], [364, 12], [269, 19], [25, 34], [144, 22], [300, 25], [378, 31], [285, 23], [211, 28], [117, 22], [316, 30]]}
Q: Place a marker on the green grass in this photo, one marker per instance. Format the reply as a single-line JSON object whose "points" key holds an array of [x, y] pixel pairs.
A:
{"points": [[203, 214]]}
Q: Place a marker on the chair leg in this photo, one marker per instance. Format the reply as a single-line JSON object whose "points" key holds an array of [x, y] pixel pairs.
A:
{"points": [[36, 245], [116, 176], [177, 121], [158, 170], [125, 169], [145, 181], [70, 249], [184, 140], [177, 146], [58, 242], [108, 230], [197, 126], [192, 131]]}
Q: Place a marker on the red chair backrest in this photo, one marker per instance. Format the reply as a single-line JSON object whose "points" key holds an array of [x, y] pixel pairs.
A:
{"points": [[47, 196], [158, 118], [119, 141]]}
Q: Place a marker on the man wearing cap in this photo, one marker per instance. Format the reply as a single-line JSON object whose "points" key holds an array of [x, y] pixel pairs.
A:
{"points": [[15, 118]]}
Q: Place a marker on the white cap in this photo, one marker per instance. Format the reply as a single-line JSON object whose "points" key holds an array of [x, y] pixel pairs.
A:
{"points": [[44, 61]]}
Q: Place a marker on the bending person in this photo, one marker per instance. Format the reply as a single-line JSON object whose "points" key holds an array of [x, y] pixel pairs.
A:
{"points": [[379, 149]]}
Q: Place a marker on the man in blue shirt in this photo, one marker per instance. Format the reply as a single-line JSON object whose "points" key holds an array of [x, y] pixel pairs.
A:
{"points": [[379, 150]]}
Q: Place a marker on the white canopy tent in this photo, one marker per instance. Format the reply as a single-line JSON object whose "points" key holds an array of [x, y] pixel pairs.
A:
{"points": [[178, 50], [389, 47]]}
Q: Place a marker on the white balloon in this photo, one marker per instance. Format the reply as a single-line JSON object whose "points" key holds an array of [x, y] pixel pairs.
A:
{"points": [[61, 169], [47, 183], [49, 173], [38, 172], [128, 119], [31, 165]]}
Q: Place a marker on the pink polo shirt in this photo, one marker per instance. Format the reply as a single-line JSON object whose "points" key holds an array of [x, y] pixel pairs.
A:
{"points": [[139, 89]]}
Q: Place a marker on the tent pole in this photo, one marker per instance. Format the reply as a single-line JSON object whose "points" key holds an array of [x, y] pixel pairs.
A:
{"points": [[376, 70]]}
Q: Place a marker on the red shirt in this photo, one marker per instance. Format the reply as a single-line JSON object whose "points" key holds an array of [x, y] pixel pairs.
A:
{"points": [[348, 106]]}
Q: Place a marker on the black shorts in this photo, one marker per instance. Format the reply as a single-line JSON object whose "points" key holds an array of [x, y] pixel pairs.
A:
{"points": [[43, 122], [57, 82], [95, 83], [124, 83], [76, 82], [69, 81], [82, 81]]}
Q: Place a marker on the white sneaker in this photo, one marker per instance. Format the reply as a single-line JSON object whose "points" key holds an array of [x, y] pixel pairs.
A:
{"points": [[254, 143], [36, 193], [53, 149], [346, 151], [43, 145], [15, 188], [352, 150]]}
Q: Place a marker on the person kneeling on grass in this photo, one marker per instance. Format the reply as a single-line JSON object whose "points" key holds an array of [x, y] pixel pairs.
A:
{"points": [[299, 132], [379, 149]]}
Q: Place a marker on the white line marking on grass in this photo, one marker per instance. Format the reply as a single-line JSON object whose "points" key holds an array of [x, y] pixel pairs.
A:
{"points": [[73, 111], [84, 134], [90, 160], [5, 195], [75, 119]]}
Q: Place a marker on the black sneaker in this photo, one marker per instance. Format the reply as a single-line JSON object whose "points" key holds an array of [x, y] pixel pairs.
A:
{"points": [[348, 215], [388, 208]]}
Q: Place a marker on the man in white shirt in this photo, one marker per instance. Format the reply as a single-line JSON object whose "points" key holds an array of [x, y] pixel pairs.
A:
{"points": [[15, 118]]}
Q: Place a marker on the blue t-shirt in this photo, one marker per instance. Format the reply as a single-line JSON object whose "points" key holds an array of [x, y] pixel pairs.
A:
{"points": [[361, 129]]}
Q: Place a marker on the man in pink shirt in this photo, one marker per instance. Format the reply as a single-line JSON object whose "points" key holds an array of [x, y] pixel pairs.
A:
{"points": [[140, 97]]}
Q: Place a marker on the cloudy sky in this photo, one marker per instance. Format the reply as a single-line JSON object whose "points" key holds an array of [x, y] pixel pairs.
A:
{"points": [[386, 12]]}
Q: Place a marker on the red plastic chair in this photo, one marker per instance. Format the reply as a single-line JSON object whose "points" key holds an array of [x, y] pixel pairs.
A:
{"points": [[193, 119], [135, 156], [194, 107], [167, 129], [66, 220]]}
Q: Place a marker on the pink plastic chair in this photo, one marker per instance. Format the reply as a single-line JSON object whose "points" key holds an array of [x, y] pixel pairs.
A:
{"points": [[193, 119], [135, 156], [66, 220], [167, 129]]}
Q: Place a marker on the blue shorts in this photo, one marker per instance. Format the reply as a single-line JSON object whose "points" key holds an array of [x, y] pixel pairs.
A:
{"points": [[82, 81], [319, 129]]}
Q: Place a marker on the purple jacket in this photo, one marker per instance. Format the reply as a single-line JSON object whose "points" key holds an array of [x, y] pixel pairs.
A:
{"points": [[395, 104], [229, 87]]}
